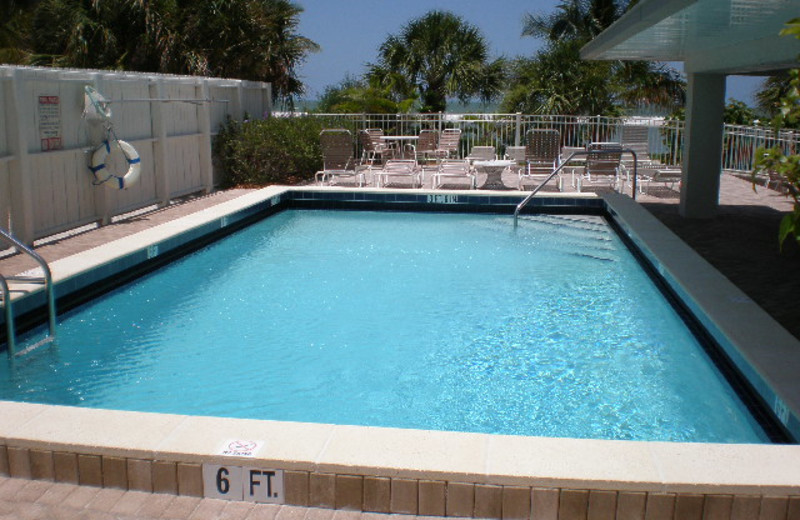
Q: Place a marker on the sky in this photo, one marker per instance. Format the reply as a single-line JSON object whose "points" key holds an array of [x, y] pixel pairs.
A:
{"points": [[350, 32]]}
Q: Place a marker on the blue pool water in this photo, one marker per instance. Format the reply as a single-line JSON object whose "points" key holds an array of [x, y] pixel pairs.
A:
{"points": [[411, 320]]}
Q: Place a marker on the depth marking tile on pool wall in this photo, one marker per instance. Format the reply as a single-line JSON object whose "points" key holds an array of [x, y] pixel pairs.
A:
{"points": [[251, 484]]}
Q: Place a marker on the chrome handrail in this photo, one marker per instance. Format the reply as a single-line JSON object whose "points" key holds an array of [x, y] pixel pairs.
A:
{"points": [[48, 284], [566, 162], [12, 335]]}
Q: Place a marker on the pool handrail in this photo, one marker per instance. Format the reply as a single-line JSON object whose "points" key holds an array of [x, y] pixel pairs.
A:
{"points": [[47, 279], [11, 333], [608, 151]]}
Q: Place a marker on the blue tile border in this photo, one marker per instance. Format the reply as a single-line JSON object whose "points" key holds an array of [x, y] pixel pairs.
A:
{"points": [[192, 239], [452, 201]]}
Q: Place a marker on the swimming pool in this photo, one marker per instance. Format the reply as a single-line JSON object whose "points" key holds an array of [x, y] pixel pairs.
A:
{"points": [[427, 472], [414, 320]]}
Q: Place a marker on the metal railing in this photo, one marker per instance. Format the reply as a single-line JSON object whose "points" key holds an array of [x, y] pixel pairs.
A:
{"points": [[566, 162], [46, 279], [504, 130], [665, 136]]}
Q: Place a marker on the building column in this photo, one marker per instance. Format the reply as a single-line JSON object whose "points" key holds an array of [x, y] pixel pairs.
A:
{"points": [[702, 157]]}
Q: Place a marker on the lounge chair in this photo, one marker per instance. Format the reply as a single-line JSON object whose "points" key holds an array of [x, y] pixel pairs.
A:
{"points": [[481, 153], [636, 138], [449, 140], [542, 156], [669, 177], [403, 168], [337, 157], [425, 150], [458, 169], [372, 148], [602, 168]]}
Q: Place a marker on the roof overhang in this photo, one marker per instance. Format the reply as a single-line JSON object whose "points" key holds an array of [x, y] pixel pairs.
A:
{"points": [[709, 36]]}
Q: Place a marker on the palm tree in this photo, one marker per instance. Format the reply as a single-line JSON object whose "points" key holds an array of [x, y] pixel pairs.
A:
{"points": [[245, 39], [355, 95], [107, 34], [572, 19], [438, 55], [772, 90], [14, 45], [558, 81]]}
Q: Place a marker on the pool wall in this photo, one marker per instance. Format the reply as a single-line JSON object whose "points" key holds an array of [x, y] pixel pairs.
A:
{"points": [[430, 472]]}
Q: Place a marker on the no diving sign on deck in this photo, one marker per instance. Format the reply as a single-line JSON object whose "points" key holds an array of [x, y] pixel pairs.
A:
{"points": [[240, 448], [251, 484]]}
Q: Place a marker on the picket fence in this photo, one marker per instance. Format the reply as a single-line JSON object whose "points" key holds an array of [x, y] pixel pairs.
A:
{"points": [[46, 143]]}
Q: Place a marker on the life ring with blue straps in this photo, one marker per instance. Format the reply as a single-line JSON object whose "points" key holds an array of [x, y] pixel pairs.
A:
{"points": [[119, 182]]}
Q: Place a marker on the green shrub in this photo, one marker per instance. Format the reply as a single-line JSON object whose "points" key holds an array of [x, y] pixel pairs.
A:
{"points": [[272, 151]]}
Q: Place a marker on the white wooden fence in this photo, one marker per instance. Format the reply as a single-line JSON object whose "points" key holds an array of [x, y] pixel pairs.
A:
{"points": [[46, 143]]}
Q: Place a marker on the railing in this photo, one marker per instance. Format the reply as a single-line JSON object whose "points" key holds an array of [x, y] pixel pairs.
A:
{"points": [[665, 136], [503, 130], [47, 279], [561, 166]]}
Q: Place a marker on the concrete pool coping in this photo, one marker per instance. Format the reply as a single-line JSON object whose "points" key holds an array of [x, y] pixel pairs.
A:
{"points": [[318, 455]]}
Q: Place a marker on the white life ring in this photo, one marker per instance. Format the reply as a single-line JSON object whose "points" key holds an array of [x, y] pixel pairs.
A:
{"points": [[119, 182]]}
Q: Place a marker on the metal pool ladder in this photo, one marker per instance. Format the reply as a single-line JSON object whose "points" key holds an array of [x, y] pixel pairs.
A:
{"points": [[566, 162], [47, 280]]}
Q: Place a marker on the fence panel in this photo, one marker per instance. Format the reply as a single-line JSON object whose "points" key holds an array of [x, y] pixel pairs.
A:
{"points": [[46, 144], [186, 176], [221, 99], [5, 191], [252, 100]]}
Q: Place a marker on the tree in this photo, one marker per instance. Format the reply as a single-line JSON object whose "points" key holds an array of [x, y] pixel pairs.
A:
{"points": [[572, 20], [245, 39], [556, 80], [355, 95], [92, 34], [14, 44], [773, 89], [776, 160], [437, 55]]}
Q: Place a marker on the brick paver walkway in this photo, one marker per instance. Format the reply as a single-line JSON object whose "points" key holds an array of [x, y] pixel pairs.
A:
{"points": [[22, 499]]}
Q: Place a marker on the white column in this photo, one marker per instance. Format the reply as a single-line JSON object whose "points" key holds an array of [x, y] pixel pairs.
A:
{"points": [[702, 158]]}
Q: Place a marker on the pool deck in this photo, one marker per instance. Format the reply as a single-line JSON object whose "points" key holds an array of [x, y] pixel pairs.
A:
{"points": [[748, 493]]}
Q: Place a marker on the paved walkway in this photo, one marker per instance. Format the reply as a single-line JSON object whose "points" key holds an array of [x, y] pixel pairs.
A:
{"points": [[36, 499]]}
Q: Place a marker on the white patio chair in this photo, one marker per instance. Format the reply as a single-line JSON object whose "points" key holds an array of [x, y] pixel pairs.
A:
{"points": [[542, 156], [481, 153], [449, 140], [372, 148], [457, 169], [402, 168], [602, 168]]}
